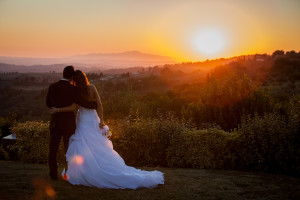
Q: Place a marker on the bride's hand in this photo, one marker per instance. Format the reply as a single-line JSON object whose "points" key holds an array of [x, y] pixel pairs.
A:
{"points": [[101, 125], [54, 110]]}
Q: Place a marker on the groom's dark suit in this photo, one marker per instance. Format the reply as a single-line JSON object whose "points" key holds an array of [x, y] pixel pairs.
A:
{"points": [[62, 124]]}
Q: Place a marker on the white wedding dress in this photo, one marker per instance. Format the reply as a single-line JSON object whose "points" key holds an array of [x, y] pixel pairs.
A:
{"points": [[93, 162]]}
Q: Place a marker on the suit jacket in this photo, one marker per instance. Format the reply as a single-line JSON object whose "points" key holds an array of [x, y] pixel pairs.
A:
{"points": [[62, 94]]}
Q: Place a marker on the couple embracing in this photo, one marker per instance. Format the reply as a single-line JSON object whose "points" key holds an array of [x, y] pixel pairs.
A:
{"points": [[90, 157]]}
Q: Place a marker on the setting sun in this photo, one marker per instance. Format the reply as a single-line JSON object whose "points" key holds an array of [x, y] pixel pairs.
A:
{"points": [[210, 41]]}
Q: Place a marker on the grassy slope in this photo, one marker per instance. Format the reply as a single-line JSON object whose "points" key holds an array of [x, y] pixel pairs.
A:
{"points": [[30, 181]]}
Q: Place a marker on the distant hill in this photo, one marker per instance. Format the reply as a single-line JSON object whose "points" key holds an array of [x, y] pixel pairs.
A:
{"points": [[58, 68], [98, 60], [35, 68], [120, 60]]}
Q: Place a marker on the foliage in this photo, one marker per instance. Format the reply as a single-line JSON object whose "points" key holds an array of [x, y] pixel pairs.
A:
{"points": [[3, 154], [269, 143], [166, 102], [166, 141], [5, 124], [145, 142], [243, 114], [26, 104], [228, 117], [33, 142], [278, 53], [199, 149], [285, 67]]}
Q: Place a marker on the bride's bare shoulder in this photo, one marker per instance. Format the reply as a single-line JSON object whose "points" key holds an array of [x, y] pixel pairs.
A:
{"points": [[91, 87], [92, 90]]}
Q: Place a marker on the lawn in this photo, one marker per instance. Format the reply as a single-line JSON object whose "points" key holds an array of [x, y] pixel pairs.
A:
{"points": [[30, 181]]}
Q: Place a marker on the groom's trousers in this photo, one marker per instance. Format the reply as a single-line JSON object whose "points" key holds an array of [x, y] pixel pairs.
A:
{"points": [[55, 138]]}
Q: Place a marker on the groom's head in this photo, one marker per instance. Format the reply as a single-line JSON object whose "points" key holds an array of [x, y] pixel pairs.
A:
{"points": [[68, 72]]}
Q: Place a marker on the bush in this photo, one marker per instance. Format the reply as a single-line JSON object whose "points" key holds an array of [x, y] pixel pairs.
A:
{"points": [[144, 142], [166, 141], [199, 149], [268, 143], [3, 154], [5, 124], [33, 142]]}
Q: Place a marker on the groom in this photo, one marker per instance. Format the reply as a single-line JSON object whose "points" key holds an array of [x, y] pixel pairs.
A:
{"points": [[63, 124]]}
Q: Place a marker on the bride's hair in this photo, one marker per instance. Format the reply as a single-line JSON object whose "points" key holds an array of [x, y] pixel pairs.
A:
{"points": [[81, 81]]}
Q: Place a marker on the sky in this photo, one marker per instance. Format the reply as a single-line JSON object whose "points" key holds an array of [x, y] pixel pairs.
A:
{"points": [[186, 30]]}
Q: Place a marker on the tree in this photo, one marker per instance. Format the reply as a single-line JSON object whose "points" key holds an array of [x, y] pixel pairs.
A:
{"points": [[278, 53]]}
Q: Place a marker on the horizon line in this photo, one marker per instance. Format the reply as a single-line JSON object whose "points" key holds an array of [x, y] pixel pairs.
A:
{"points": [[121, 52]]}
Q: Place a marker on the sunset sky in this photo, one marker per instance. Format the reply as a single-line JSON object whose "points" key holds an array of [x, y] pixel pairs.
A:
{"points": [[187, 30]]}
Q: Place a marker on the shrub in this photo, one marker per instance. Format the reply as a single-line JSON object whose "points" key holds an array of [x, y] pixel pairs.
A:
{"points": [[33, 142], [145, 141], [5, 124], [3, 154], [199, 149], [268, 143], [166, 141]]}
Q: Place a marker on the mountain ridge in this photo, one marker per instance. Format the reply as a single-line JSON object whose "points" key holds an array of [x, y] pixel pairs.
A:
{"points": [[119, 59]]}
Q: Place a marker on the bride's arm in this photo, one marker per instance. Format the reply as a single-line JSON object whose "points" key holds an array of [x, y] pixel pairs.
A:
{"points": [[64, 109], [99, 106]]}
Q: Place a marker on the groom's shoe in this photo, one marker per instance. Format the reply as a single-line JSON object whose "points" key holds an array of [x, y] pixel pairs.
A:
{"points": [[53, 177]]}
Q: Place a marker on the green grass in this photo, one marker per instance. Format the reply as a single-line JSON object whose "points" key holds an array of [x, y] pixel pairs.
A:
{"points": [[30, 181]]}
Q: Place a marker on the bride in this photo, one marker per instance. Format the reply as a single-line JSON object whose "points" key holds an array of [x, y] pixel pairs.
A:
{"points": [[91, 158]]}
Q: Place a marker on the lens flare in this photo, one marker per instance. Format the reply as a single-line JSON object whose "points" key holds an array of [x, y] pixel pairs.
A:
{"points": [[43, 190], [50, 191], [78, 159]]}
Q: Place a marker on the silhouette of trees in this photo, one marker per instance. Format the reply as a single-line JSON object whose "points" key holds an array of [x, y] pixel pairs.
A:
{"points": [[278, 53]]}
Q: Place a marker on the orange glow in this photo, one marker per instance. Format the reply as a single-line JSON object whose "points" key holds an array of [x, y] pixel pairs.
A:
{"points": [[50, 191], [78, 159], [53, 29], [43, 190]]}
